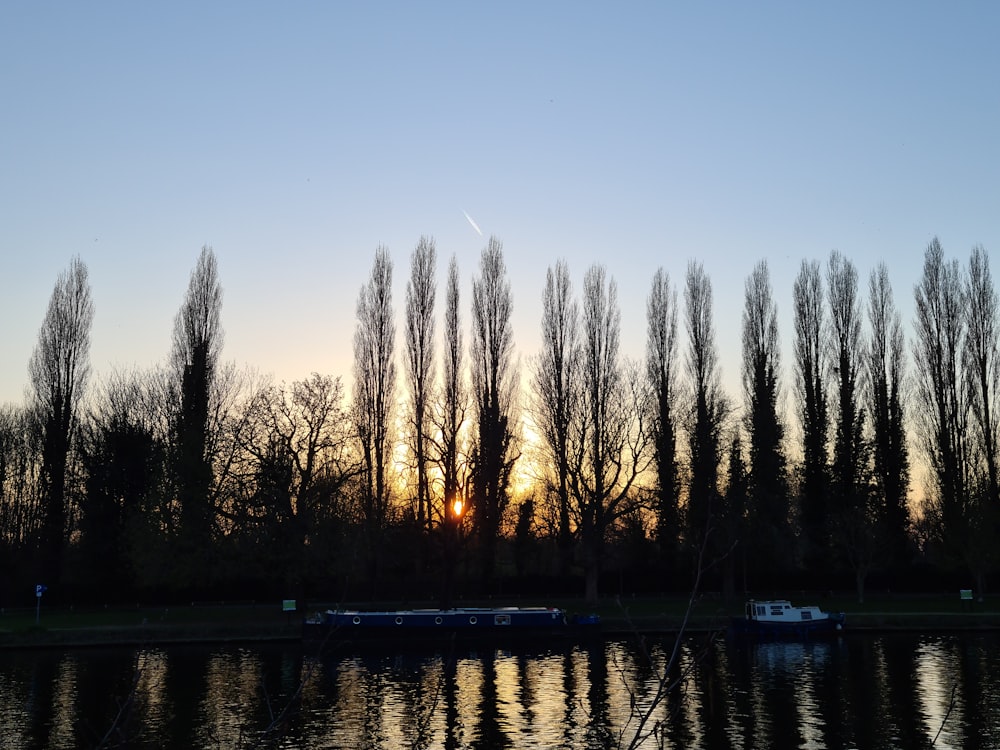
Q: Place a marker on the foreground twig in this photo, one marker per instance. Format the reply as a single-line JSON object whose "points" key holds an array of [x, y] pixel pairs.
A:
{"points": [[117, 728], [665, 686], [951, 705]]}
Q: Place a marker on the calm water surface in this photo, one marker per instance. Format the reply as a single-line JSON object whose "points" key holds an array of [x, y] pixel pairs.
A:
{"points": [[891, 691]]}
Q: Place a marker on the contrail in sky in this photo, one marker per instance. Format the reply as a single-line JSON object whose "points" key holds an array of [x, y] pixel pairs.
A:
{"points": [[474, 224]]}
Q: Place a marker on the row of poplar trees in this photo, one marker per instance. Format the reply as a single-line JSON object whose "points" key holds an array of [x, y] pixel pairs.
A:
{"points": [[200, 476]]}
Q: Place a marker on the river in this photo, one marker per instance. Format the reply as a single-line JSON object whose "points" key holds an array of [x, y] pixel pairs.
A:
{"points": [[867, 691]]}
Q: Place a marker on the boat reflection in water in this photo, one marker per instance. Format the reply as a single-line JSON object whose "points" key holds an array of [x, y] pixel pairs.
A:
{"points": [[886, 691], [792, 676]]}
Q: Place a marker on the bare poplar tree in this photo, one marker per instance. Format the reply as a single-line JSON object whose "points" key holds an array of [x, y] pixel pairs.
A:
{"points": [[807, 300], [374, 394], [197, 343], [768, 506], [420, 294], [853, 523], [661, 371], [982, 371], [942, 412], [450, 420], [553, 379], [709, 408], [890, 455], [608, 442], [58, 369], [493, 384], [846, 358], [452, 407]]}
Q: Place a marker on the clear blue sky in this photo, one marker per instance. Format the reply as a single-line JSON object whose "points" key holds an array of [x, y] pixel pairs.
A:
{"points": [[294, 138]]}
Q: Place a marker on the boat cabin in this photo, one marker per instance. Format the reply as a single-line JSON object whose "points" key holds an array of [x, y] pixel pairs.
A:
{"points": [[781, 610]]}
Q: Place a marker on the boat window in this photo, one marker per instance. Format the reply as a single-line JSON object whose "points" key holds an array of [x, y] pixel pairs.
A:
{"points": [[357, 620], [437, 620], [473, 620], [806, 615], [501, 620]]}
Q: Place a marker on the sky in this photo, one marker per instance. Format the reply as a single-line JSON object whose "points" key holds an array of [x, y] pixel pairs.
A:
{"points": [[296, 138]]}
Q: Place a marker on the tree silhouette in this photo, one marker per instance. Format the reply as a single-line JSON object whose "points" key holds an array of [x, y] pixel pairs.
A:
{"points": [[608, 444], [58, 369], [124, 457], [553, 379], [452, 406], [981, 366], [420, 293], [768, 507], [846, 358], [450, 421], [21, 512], [942, 410], [298, 446], [195, 356], [705, 423], [374, 397], [853, 528], [890, 455], [662, 374], [982, 371], [493, 385], [810, 362]]}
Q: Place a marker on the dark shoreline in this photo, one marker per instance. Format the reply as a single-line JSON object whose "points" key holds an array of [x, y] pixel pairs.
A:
{"points": [[616, 627]]}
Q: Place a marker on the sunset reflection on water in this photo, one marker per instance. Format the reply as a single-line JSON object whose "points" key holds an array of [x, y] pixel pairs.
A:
{"points": [[890, 692]]}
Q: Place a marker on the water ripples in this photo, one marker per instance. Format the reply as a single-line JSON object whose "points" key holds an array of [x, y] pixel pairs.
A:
{"points": [[889, 692]]}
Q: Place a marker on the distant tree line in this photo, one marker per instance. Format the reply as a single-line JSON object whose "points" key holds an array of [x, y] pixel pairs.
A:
{"points": [[466, 473]]}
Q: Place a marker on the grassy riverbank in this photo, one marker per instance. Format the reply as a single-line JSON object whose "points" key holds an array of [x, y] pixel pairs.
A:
{"points": [[222, 622]]}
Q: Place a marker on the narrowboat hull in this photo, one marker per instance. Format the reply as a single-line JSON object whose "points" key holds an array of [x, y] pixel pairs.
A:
{"points": [[421, 625]]}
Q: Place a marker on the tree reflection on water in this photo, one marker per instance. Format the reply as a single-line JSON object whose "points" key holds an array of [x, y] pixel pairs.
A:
{"points": [[890, 691]]}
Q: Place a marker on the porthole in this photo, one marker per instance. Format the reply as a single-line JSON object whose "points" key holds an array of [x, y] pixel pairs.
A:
{"points": [[473, 620], [356, 620], [399, 620], [437, 620]]}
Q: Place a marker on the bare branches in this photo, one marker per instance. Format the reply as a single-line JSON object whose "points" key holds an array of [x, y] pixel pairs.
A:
{"points": [[981, 363], [709, 404], [942, 413], [608, 445], [845, 360], [420, 292], [59, 368], [810, 363], [554, 381], [451, 408], [886, 373], [493, 384], [661, 371], [375, 384], [768, 512]]}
